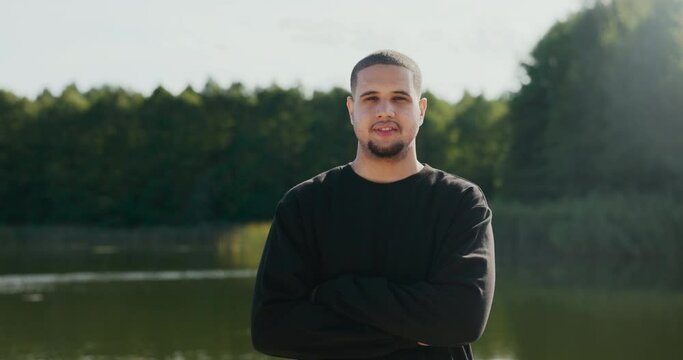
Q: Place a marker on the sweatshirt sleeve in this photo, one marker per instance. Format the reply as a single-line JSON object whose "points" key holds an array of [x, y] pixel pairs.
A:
{"points": [[451, 307], [286, 323]]}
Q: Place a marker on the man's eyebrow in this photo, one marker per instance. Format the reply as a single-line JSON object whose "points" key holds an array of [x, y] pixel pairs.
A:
{"points": [[374, 92], [371, 92], [401, 92]]}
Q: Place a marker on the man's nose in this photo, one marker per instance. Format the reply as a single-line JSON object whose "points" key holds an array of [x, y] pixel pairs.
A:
{"points": [[385, 109]]}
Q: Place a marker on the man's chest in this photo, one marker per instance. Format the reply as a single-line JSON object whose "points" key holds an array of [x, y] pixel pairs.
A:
{"points": [[384, 236]]}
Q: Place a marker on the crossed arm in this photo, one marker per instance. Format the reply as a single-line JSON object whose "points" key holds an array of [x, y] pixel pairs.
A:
{"points": [[286, 323], [360, 317]]}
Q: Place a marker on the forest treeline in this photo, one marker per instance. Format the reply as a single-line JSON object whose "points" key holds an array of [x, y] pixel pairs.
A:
{"points": [[109, 156], [599, 112]]}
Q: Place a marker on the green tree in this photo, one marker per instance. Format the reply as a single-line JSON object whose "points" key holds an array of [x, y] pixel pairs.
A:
{"points": [[597, 113], [479, 134]]}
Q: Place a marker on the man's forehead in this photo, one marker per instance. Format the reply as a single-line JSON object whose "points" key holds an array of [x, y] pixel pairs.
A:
{"points": [[385, 77]]}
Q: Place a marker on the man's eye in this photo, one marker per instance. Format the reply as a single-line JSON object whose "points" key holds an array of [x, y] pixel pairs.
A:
{"points": [[400, 98], [371, 98]]}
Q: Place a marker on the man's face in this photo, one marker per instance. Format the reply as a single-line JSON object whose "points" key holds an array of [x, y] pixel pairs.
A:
{"points": [[386, 111]]}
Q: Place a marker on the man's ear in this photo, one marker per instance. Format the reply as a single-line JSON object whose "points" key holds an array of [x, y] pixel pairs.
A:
{"points": [[349, 107], [423, 109]]}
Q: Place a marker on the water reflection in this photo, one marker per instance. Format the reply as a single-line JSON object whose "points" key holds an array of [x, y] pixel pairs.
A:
{"points": [[184, 319], [536, 322], [106, 303], [41, 282], [585, 308], [205, 315]]}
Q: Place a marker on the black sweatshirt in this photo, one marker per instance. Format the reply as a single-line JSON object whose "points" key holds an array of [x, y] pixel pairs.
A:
{"points": [[357, 269]]}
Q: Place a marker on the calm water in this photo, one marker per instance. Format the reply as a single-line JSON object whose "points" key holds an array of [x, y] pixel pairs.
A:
{"points": [[556, 310]]}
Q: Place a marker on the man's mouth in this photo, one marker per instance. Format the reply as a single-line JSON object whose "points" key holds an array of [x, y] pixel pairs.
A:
{"points": [[385, 129]]}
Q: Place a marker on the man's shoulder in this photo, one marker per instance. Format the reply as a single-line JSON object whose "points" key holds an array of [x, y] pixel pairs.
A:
{"points": [[312, 187], [448, 183]]}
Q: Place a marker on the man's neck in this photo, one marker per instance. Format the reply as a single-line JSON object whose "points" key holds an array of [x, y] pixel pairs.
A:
{"points": [[385, 170]]}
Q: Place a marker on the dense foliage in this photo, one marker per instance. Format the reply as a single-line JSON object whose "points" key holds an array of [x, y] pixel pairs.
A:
{"points": [[600, 112], [113, 157]]}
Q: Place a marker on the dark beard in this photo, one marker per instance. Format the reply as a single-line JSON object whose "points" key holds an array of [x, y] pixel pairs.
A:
{"points": [[386, 152]]}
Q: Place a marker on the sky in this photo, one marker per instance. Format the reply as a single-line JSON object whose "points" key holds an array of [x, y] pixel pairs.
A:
{"points": [[460, 45]]}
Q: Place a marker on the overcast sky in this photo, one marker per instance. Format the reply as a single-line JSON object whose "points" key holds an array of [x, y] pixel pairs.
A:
{"points": [[460, 45]]}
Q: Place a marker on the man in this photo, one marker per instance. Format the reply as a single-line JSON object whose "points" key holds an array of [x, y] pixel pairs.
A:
{"points": [[384, 257]]}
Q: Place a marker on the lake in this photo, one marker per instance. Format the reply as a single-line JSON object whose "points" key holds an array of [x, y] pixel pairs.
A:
{"points": [[185, 303]]}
